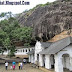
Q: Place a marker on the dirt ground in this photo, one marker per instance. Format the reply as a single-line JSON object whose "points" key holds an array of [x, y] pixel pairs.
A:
{"points": [[26, 68]]}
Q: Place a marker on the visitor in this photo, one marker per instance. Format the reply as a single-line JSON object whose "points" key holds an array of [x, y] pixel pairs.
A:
{"points": [[13, 63], [19, 65], [24, 60], [6, 65], [11, 67]]}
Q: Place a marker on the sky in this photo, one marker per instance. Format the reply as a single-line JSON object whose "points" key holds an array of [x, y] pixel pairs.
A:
{"points": [[15, 9]]}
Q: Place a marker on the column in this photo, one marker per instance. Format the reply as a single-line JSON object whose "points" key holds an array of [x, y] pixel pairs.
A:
{"points": [[47, 62], [58, 64], [70, 67], [32, 58], [29, 58], [27, 49], [40, 60], [35, 58]]}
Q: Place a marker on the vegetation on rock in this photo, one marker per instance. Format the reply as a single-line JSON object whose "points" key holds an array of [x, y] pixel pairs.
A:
{"points": [[49, 19]]}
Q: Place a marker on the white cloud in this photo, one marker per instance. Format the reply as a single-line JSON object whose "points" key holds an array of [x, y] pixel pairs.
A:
{"points": [[20, 8]]}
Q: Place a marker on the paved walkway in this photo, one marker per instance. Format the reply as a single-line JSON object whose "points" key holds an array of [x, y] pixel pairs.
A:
{"points": [[26, 68]]}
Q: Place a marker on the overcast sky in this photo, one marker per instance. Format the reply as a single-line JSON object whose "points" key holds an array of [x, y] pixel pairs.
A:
{"points": [[20, 8]]}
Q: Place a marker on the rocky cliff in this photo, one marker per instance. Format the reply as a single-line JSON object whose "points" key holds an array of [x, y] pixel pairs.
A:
{"points": [[49, 20]]}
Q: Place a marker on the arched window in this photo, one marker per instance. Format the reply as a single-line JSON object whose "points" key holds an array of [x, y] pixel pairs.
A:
{"points": [[23, 50], [26, 50], [29, 50], [17, 50]]}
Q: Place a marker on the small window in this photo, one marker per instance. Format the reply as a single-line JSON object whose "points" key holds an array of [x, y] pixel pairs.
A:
{"points": [[26, 50], [29, 50], [17, 50], [23, 50]]}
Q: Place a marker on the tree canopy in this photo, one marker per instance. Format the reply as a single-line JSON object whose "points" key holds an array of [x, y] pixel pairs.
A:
{"points": [[10, 31]]}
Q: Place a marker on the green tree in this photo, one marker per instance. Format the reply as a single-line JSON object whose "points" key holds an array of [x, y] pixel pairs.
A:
{"points": [[3, 36], [10, 31], [22, 34], [2, 14]]}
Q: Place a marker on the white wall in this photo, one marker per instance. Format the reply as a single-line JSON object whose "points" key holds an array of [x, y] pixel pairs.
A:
{"points": [[47, 62], [20, 51], [59, 60], [29, 58], [59, 63], [40, 60], [32, 58], [38, 48]]}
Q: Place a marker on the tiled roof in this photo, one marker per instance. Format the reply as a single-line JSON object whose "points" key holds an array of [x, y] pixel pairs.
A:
{"points": [[46, 44], [31, 52], [22, 47], [57, 46]]}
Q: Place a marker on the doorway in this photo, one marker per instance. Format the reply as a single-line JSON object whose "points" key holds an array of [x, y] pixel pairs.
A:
{"points": [[66, 62], [52, 61]]}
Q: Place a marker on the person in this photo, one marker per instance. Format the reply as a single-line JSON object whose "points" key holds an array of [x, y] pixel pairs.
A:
{"points": [[13, 63], [6, 65], [19, 65], [24, 60], [11, 67]]}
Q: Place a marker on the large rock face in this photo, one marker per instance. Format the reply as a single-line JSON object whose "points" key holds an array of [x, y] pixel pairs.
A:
{"points": [[47, 21]]}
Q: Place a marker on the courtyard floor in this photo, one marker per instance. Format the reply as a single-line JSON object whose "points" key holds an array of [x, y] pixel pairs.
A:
{"points": [[26, 68]]}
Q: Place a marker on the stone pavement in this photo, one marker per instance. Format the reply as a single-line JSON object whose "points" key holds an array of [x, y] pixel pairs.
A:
{"points": [[26, 68]]}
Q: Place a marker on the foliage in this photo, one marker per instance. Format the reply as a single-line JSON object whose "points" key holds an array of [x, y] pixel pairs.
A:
{"points": [[22, 34], [12, 51], [7, 43], [26, 44], [10, 31], [2, 14], [42, 5], [6, 15], [3, 36]]}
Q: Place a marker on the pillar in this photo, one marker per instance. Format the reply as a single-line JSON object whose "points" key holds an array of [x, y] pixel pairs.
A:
{"points": [[47, 62], [40, 60], [70, 67], [35, 58], [29, 58], [32, 58], [58, 64]]}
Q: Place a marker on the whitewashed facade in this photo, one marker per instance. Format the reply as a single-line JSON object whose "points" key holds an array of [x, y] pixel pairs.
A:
{"points": [[20, 51], [31, 56], [57, 56]]}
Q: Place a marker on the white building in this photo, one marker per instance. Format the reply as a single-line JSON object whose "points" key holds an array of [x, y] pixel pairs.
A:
{"points": [[21, 52], [57, 55], [31, 56]]}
